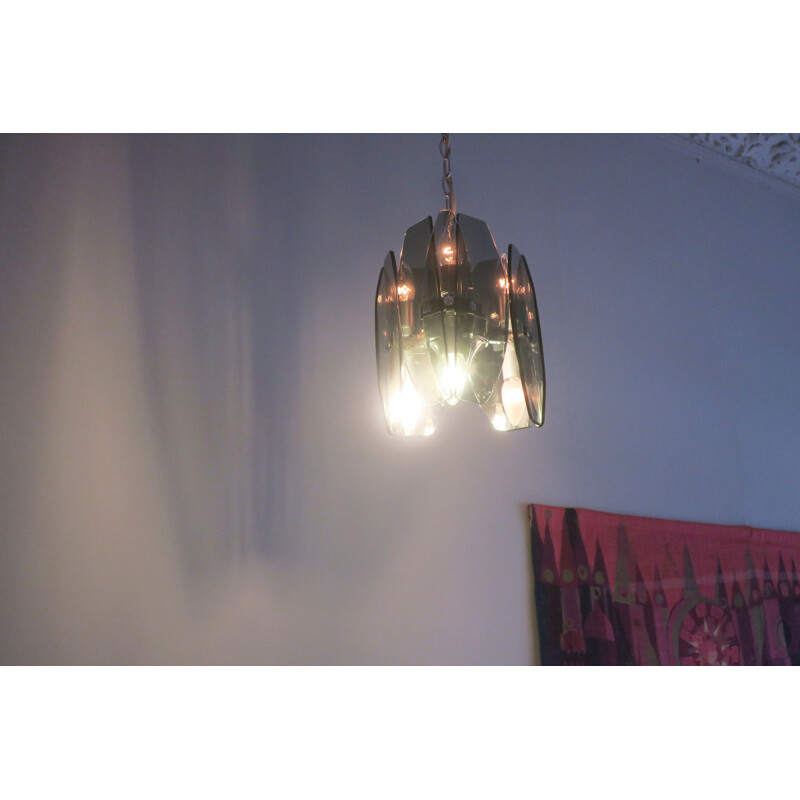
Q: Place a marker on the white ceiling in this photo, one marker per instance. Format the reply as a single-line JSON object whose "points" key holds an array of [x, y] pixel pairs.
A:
{"points": [[774, 154]]}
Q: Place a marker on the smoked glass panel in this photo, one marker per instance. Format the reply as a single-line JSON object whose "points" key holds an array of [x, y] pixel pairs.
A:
{"points": [[418, 295], [527, 335], [450, 346], [484, 300], [406, 411], [387, 341], [506, 407]]}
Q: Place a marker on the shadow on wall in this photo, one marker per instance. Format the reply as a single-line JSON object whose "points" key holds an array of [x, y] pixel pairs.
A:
{"points": [[147, 253], [194, 208]]}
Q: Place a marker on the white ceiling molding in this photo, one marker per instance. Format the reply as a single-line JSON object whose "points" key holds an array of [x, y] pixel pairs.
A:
{"points": [[773, 154]]}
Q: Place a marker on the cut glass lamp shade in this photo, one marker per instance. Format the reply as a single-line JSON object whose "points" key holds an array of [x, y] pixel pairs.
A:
{"points": [[455, 320]]}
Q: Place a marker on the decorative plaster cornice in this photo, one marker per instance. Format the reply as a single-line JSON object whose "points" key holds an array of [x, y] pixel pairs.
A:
{"points": [[774, 154]]}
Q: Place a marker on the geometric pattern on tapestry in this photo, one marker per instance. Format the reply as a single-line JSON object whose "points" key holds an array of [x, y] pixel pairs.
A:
{"points": [[614, 589]]}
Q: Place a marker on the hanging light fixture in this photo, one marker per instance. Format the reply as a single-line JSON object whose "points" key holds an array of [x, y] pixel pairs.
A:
{"points": [[456, 320]]}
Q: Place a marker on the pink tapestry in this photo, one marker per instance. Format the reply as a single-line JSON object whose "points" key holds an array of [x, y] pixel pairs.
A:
{"points": [[614, 589]]}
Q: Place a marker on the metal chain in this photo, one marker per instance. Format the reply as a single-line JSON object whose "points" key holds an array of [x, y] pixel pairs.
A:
{"points": [[447, 177]]}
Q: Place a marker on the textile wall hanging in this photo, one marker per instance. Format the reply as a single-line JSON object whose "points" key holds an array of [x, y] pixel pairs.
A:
{"points": [[614, 589]]}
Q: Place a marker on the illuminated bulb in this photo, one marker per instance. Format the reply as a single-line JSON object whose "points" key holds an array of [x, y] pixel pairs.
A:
{"points": [[453, 378], [405, 291], [499, 421], [406, 406], [503, 283], [448, 255], [513, 400]]}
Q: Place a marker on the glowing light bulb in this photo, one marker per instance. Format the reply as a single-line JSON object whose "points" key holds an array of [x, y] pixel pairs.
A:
{"points": [[406, 406], [453, 378], [405, 291], [499, 422], [448, 255], [503, 283], [513, 398]]}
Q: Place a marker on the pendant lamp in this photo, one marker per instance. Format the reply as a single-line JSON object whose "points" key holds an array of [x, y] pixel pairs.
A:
{"points": [[455, 320]]}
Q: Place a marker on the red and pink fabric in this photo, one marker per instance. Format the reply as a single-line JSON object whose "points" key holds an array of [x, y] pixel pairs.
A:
{"points": [[614, 589]]}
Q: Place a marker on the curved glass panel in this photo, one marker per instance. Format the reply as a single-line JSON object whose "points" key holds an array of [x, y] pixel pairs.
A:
{"points": [[415, 283], [527, 334], [387, 340], [450, 344], [406, 411], [506, 407], [485, 316], [411, 275], [444, 234]]}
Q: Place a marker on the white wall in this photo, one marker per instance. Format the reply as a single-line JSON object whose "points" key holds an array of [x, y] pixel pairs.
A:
{"points": [[194, 464]]}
